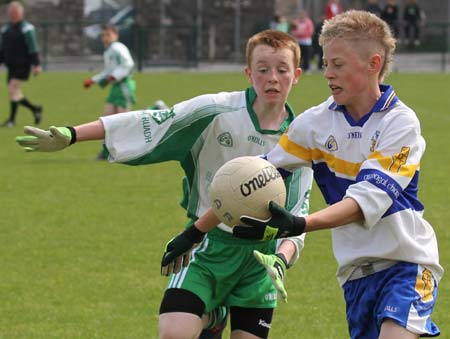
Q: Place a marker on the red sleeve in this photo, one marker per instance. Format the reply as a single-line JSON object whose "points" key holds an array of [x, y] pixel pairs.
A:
{"points": [[328, 13]]}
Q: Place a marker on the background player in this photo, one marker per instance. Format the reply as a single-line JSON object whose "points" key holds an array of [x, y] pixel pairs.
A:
{"points": [[202, 134], [19, 52], [117, 71]]}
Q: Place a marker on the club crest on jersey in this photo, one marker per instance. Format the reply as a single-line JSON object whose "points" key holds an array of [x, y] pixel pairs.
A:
{"points": [[225, 139], [331, 144], [161, 116], [374, 140]]}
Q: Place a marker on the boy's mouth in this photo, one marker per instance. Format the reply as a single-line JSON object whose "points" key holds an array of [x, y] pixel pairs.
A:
{"points": [[272, 90], [334, 88]]}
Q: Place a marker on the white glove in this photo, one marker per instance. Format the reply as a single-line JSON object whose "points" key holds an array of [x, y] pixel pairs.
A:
{"points": [[38, 140]]}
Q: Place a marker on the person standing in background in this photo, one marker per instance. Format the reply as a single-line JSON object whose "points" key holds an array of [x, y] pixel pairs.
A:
{"points": [[317, 49], [117, 72], [19, 52], [333, 8], [373, 7], [412, 17], [390, 16], [280, 23], [303, 30]]}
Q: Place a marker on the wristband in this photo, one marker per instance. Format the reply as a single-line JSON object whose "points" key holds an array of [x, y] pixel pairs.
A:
{"points": [[73, 135], [298, 226], [194, 234], [283, 258]]}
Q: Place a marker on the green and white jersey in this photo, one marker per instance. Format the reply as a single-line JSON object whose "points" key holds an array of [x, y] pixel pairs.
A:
{"points": [[18, 44], [118, 63], [202, 134]]}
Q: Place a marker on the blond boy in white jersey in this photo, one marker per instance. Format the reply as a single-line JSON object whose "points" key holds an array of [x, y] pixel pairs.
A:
{"points": [[364, 146]]}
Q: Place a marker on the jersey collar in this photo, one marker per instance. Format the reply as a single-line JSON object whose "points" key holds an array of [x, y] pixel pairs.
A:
{"points": [[250, 96], [386, 101]]}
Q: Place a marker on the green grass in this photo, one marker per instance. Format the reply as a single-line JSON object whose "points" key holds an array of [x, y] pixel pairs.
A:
{"points": [[81, 240]]}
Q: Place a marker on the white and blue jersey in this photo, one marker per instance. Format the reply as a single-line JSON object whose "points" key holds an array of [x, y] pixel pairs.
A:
{"points": [[388, 265], [376, 162]]}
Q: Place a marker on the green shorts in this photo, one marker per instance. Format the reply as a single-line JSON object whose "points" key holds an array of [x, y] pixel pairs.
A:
{"points": [[224, 272], [123, 93]]}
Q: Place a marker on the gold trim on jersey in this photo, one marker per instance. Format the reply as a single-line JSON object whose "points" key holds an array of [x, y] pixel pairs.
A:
{"points": [[335, 164], [396, 163]]}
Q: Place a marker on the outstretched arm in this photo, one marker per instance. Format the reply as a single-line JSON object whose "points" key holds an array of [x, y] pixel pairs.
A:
{"points": [[283, 224], [58, 138], [90, 131], [341, 213]]}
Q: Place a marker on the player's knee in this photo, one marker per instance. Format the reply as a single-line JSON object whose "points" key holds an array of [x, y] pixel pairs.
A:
{"points": [[179, 325], [178, 329], [180, 315]]}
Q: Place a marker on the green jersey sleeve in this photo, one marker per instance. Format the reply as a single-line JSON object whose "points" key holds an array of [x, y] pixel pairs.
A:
{"points": [[152, 136], [29, 32]]}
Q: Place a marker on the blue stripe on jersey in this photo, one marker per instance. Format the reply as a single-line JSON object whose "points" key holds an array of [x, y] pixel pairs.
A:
{"points": [[402, 199], [332, 187], [408, 198], [381, 180]]}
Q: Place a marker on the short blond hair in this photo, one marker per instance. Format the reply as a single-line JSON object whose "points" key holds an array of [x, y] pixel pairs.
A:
{"points": [[365, 28], [275, 39]]}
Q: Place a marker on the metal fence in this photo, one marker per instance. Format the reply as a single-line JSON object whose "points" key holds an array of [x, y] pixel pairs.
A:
{"points": [[75, 46]]}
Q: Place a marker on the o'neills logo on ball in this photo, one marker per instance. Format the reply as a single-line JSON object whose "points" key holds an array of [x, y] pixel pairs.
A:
{"points": [[261, 180]]}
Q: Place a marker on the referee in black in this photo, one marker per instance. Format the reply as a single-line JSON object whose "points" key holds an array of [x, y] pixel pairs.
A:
{"points": [[19, 52]]}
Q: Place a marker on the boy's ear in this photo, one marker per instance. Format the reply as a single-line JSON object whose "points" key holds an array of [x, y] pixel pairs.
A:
{"points": [[298, 73], [248, 74], [375, 63]]}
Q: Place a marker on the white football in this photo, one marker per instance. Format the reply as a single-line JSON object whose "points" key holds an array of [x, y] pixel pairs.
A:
{"points": [[244, 186]]}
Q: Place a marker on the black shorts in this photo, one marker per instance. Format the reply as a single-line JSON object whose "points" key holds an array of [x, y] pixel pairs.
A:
{"points": [[20, 72], [252, 320]]}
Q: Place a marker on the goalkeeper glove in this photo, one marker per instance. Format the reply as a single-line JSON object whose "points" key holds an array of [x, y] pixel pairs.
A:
{"points": [[177, 251], [275, 265], [281, 224], [88, 83], [55, 139]]}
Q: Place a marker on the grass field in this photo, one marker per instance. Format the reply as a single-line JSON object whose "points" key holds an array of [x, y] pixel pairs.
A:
{"points": [[81, 240]]}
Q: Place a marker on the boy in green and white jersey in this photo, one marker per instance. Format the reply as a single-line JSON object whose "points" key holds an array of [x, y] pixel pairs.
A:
{"points": [[202, 134], [117, 72]]}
